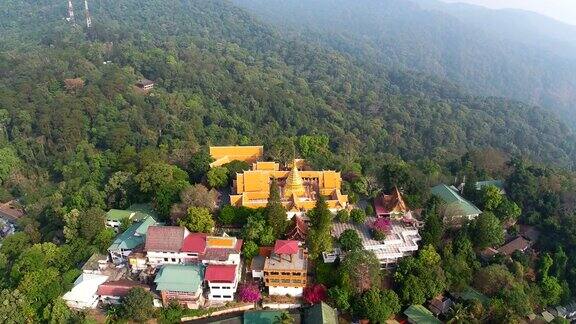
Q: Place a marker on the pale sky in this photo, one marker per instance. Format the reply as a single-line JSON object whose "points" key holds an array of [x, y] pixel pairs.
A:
{"points": [[563, 10]]}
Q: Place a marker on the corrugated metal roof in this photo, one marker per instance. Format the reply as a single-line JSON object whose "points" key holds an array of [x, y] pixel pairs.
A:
{"points": [[177, 277]]}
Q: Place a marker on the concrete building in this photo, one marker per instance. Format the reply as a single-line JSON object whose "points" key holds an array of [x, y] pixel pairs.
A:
{"points": [[285, 271], [401, 240], [181, 283], [222, 281], [84, 293], [134, 237], [176, 245]]}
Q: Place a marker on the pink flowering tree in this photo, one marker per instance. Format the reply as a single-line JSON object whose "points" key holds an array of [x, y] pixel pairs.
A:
{"points": [[380, 227], [315, 293], [249, 293]]}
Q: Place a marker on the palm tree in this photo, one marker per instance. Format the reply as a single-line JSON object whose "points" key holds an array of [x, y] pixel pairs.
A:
{"points": [[459, 315], [284, 318]]}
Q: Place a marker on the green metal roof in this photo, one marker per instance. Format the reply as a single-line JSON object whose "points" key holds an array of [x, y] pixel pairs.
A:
{"points": [[144, 209], [470, 293], [134, 236], [418, 314], [452, 198], [496, 183], [118, 214], [261, 317], [136, 213], [178, 277], [320, 313]]}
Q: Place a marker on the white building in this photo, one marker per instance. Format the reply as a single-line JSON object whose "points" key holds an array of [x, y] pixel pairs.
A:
{"points": [[402, 240], [222, 281], [84, 293], [176, 245]]}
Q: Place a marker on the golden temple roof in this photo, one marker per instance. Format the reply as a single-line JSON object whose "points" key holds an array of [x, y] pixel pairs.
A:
{"points": [[294, 183]]}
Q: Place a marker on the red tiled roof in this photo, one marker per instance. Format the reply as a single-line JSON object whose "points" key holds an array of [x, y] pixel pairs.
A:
{"points": [[220, 273], [299, 230], [195, 243], [518, 243], [265, 251], [286, 247], [118, 288], [165, 238], [392, 203]]}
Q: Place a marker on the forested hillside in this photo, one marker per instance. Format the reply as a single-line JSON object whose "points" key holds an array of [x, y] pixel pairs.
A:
{"points": [[225, 78], [504, 54]]}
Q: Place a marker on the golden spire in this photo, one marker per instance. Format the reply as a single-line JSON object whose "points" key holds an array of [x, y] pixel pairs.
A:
{"points": [[294, 183]]}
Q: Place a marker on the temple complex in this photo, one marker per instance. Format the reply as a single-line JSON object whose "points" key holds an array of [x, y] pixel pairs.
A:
{"points": [[299, 189]]}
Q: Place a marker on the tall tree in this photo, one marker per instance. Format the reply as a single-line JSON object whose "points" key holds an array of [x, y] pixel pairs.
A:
{"points": [[487, 231], [138, 305], [198, 219], [275, 213], [319, 237]]}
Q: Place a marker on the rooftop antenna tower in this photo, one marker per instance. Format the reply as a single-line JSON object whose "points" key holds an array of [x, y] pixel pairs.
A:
{"points": [[71, 13], [88, 19]]}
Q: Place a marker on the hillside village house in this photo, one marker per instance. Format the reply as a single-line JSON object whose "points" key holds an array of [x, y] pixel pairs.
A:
{"points": [[457, 209], [114, 217], [299, 189], [84, 293], [286, 269], [145, 84], [128, 241], [222, 281], [181, 283], [111, 292], [176, 245]]}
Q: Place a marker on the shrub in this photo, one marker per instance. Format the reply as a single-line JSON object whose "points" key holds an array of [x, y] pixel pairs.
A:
{"points": [[358, 216], [315, 293], [343, 216]]}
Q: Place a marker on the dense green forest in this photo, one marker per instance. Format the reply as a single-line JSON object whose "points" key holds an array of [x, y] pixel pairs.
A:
{"points": [[486, 52], [69, 151]]}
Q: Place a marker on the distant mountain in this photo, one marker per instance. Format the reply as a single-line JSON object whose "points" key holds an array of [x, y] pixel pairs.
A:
{"points": [[508, 53]]}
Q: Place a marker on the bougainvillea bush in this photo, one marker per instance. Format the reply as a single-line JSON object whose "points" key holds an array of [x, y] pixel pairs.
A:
{"points": [[315, 293], [249, 293], [380, 227]]}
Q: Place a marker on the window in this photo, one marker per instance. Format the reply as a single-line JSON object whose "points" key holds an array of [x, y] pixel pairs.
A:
{"points": [[285, 273], [173, 259], [296, 281], [226, 296], [166, 259], [217, 296], [215, 287]]}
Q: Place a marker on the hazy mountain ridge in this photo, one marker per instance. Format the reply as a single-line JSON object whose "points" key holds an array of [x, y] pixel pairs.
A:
{"points": [[432, 38]]}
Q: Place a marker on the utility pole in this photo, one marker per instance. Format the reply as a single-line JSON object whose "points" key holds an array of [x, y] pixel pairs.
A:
{"points": [[88, 19], [71, 13]]}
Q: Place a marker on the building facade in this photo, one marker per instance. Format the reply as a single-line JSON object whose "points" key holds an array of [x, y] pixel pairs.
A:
{"points": [[286, 269], [176, 245], [181, 283], [222, 281]]}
